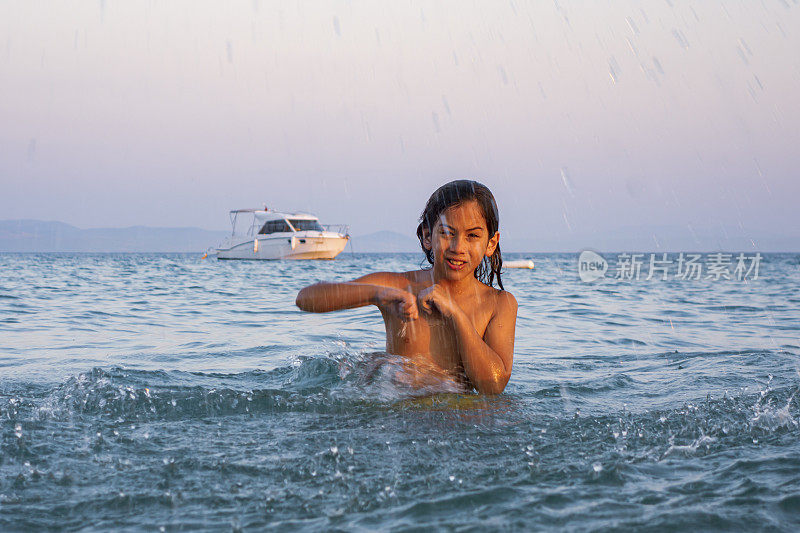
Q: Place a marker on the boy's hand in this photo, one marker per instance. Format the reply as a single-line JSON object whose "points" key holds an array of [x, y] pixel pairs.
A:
{"points": [[435, 298], [398, 302]]}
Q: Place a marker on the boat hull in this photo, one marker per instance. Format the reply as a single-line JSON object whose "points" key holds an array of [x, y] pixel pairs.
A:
{"points": [[286, 246]]}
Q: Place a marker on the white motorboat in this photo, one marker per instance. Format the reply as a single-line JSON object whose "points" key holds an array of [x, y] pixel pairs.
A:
{"points": [[276, 235]]}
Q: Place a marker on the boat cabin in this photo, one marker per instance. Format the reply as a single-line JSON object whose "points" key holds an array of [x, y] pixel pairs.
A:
{"points": [[266, 222]]}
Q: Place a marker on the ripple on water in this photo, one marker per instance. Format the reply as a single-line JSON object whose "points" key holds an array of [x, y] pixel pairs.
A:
{"points": [[627, 403]]}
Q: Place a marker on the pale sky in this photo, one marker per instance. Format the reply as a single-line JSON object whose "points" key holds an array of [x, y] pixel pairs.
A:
{"points": [[578, 115]]}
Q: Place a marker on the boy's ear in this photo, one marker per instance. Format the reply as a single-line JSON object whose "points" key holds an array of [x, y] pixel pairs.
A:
{"points": [[426, 239], [492, 246]]}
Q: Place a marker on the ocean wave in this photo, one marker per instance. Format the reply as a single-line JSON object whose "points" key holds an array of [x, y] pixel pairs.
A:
{"points": [[328, 383], [369, 452]]}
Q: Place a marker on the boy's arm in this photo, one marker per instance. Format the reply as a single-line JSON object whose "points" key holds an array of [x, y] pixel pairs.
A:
{"points": [[323, 296], [487, 361], [372, 289]]}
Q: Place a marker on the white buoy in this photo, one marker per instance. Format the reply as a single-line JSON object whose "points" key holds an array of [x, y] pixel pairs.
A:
{"points": [[520, 263]]}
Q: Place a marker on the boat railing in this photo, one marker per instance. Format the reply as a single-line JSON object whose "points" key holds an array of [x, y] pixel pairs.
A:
{"points": [[341, 229]]}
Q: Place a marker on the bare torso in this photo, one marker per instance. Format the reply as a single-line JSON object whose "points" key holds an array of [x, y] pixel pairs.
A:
{"points": [[429, 341]]}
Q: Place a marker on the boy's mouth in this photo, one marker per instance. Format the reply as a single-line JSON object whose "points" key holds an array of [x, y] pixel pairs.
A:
{"points": [[455, 264]]}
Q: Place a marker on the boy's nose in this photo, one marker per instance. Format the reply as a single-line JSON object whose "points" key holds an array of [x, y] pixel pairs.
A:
{"points": [[458, 244]]}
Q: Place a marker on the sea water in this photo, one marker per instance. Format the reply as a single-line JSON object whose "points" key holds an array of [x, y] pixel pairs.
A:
{"points": [[167, 392]]}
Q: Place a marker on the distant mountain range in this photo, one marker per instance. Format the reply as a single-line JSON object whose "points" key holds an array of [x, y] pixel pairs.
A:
{"points": [[49, 236]]}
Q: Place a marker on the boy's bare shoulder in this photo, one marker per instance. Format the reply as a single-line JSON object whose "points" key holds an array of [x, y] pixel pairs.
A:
{"points": [[505, 297], [399, 280], [504, 302], [418, 276]]}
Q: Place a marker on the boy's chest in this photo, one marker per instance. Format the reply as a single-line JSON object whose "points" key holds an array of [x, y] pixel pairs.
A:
{"points": [[435, 338]]}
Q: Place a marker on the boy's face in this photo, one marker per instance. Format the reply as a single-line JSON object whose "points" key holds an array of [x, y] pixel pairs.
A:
{"points": [[459, 241]]}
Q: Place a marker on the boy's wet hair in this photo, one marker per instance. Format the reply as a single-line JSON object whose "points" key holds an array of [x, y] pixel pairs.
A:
{"points": [[456, 193]]}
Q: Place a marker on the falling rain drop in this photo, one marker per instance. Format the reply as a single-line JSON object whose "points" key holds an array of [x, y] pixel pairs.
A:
{"points": [[613, 69]]}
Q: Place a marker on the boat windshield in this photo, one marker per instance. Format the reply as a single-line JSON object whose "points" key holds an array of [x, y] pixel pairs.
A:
{"points": [[306, 225], [275, 226]]}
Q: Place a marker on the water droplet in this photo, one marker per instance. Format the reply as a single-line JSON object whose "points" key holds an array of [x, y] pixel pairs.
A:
{"points": [[503, 75], [435, 118], [613, 69], [681, 38], [657, 64]]}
